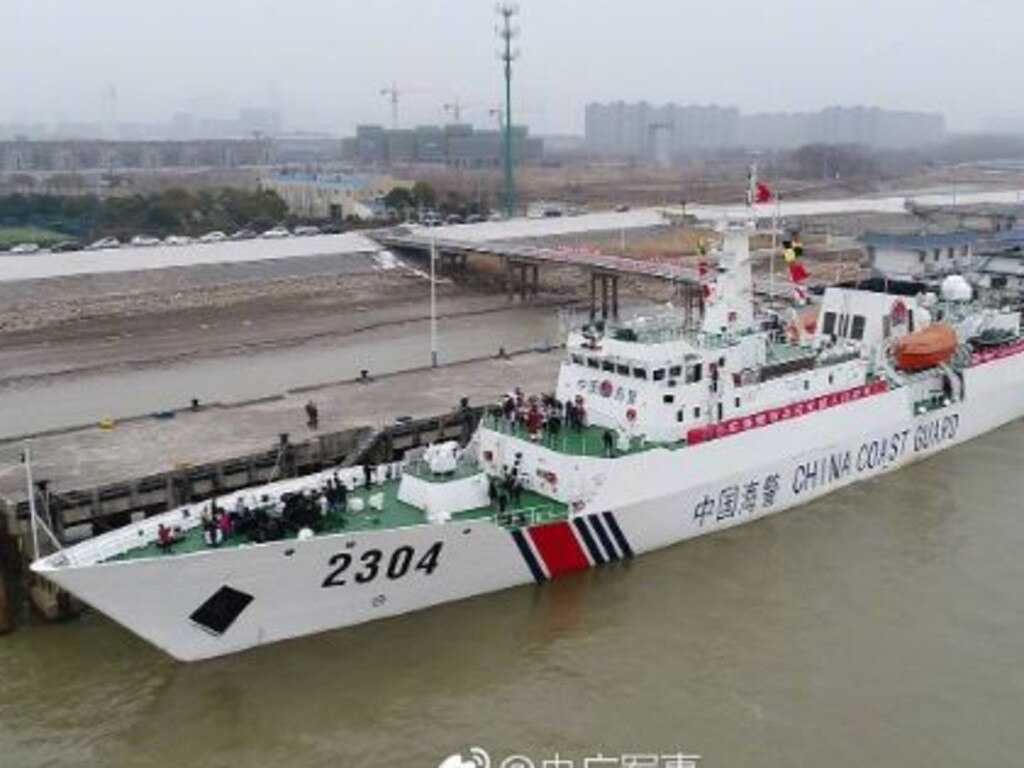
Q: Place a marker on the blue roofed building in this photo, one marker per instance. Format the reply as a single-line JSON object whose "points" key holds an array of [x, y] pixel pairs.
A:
{"points": [[924, 257], [1000, 261]]}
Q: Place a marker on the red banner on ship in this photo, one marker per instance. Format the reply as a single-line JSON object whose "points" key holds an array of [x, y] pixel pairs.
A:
{"points": [[783, 413]]}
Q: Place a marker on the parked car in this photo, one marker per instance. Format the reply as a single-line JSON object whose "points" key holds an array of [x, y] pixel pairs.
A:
{"points": [[474, 218], [106, 242], [276, 232], [25, 248], [454, 218], [177, 240], [330, 229], [243, 234], [145, 240], [301, 231], [213, 237], [66, 245], [621, 208]]}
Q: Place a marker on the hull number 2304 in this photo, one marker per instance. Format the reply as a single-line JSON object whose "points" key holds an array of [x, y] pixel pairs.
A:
{"points": [[374, 563]]}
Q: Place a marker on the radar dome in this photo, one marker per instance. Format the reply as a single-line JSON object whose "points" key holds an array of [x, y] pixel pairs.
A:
{"points": [[955, 288]]}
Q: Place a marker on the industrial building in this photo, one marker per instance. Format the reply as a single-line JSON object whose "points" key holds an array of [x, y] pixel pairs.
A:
{"points": [[335, 196], [86, 155], [457, 145], [664, 133]]}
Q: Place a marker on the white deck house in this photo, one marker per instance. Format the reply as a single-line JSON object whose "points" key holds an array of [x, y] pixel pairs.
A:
{"points": [[920, 257]]}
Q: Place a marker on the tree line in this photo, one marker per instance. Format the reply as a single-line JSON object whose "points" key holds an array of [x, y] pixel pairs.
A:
{"points": [[171, 212]]}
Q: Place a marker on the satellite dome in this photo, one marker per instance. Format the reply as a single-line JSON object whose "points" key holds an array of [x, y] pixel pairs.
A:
{"points": [[955, 288]]}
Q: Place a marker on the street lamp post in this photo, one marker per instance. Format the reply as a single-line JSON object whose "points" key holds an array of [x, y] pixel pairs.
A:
{"points": [[433, 302], [507, 33]]}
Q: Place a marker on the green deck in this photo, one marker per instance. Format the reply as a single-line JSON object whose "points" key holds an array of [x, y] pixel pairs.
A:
{"points": [[532, 508], [588, 441]]}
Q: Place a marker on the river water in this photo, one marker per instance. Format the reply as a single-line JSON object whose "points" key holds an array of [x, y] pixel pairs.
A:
{"points": [[881, 625]]}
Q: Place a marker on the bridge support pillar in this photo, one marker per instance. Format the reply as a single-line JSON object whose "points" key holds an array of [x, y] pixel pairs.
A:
{"points": [[510, 280], [609, 295]]}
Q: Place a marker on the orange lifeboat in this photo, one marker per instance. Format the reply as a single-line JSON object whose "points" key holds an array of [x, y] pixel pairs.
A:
{"points": [[926, 348]]}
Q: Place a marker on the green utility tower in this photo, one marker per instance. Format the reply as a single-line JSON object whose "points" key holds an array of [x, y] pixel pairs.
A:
{"points": [[507, 34]]}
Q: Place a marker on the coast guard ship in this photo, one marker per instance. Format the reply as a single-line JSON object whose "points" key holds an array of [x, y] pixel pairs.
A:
{"points": [[659, 430]]}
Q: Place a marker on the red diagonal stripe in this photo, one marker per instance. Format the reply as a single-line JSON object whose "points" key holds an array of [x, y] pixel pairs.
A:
{"points": [[558, 548]]}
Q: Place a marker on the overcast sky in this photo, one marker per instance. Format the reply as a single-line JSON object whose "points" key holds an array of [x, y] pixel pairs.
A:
{"points": [[323, 62]]}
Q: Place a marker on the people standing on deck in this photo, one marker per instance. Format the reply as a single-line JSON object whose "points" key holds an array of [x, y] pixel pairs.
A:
{"points": [[608, 438], [508, 410], [367, 475], [224, 525], [492, 492], [554, 422], [516, 491], [534, 421], [578, 417], [164, 538]]}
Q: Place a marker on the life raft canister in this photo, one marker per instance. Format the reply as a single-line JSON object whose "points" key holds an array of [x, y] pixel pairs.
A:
{"points": [[631, 414]]}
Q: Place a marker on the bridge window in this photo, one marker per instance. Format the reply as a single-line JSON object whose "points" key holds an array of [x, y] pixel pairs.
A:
{"points": [[578, 359], [693, 373], [675, 371], [640, 373], [659, 374], [592, 362], [857, 330], [828, 324], [608, 365], [622, 370]]}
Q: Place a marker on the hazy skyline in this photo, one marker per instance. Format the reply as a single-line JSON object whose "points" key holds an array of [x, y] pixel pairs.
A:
{"points": [[323, 63]]}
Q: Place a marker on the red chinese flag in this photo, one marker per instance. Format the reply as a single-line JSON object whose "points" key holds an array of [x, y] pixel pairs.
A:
{"points": [[797, 273], [763, 194]]}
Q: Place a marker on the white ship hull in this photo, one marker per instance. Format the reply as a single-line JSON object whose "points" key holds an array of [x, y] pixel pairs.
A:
{"points": [[649, 500]]}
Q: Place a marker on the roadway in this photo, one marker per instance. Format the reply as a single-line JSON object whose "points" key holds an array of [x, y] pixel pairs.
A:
{"points": [[43, 265]]}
